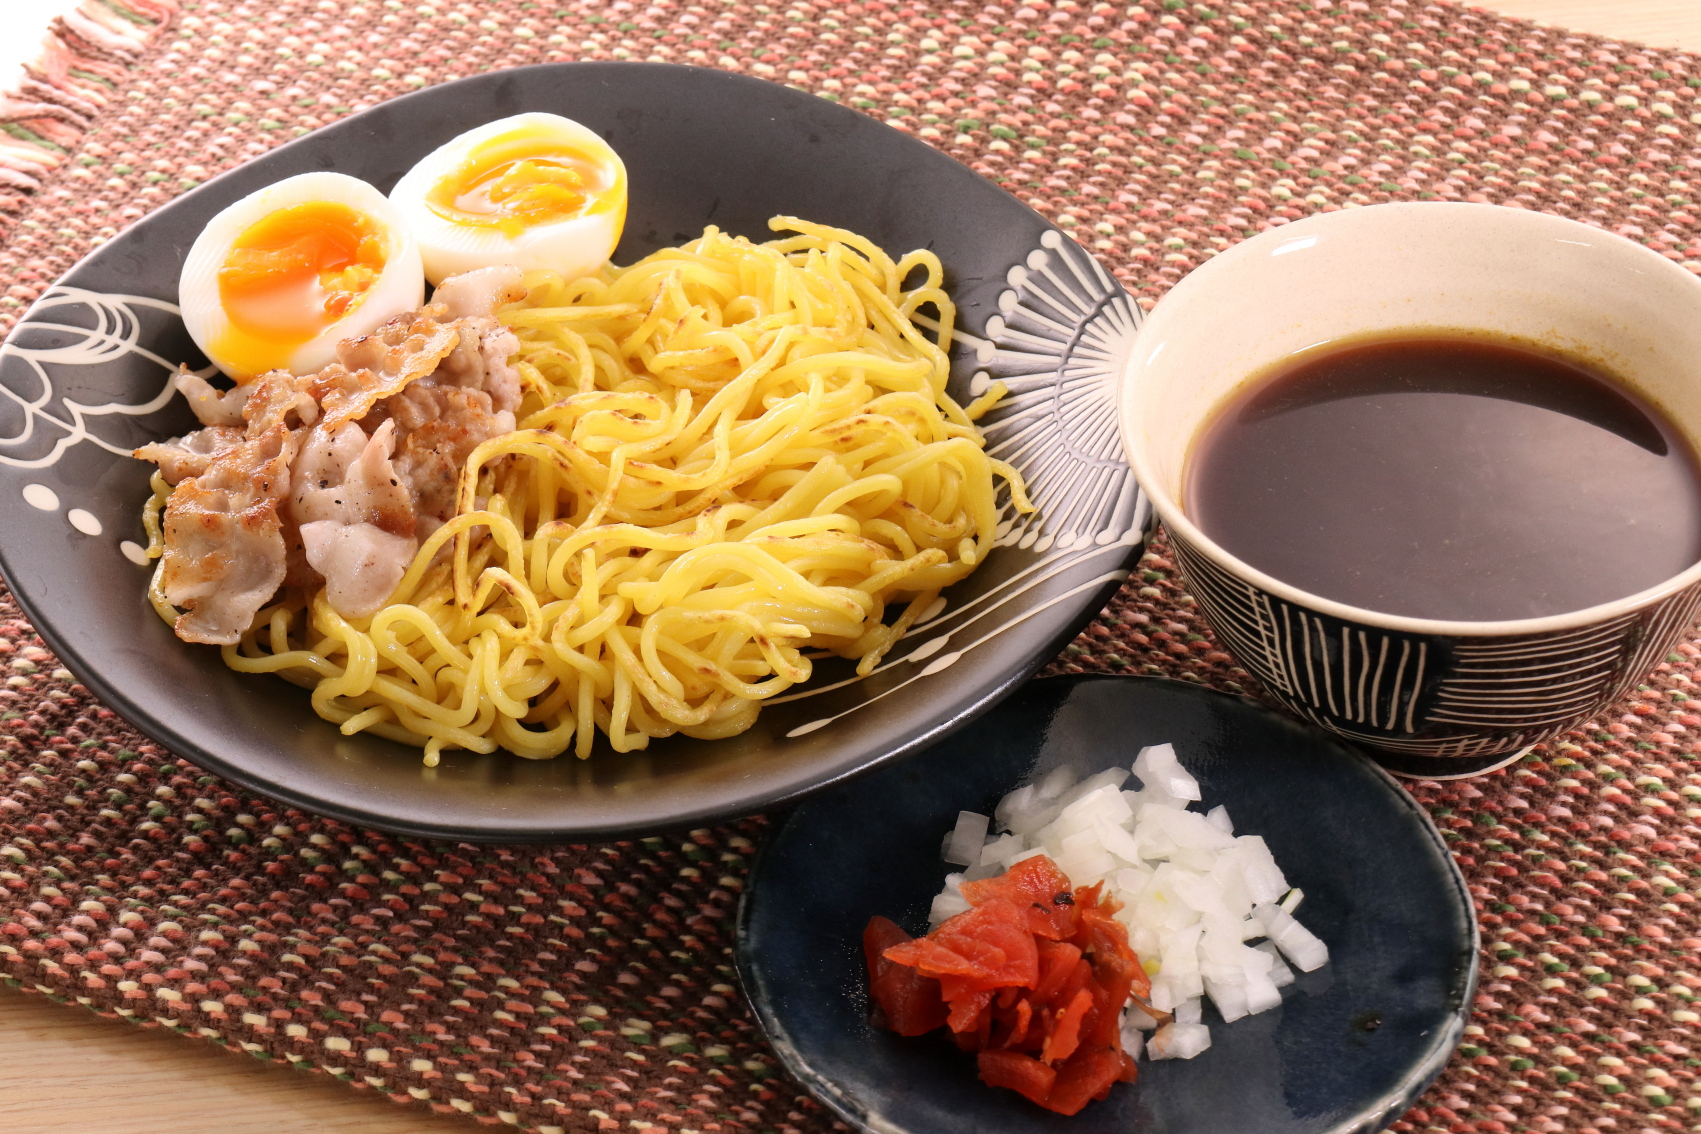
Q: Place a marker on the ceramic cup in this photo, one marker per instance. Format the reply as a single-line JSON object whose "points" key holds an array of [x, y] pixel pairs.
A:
{"points": [[1431, 698]]}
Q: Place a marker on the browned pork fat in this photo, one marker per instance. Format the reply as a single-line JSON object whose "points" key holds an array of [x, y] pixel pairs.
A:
{"points": [[210, 405], [336, 476], [224, 544], [182, 457]]}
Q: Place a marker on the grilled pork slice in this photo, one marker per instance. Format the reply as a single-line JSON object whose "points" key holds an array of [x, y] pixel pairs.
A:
{"points": [[335, 477], [224, 543]]}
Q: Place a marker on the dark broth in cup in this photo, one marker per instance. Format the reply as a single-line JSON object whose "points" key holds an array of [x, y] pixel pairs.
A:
{"points": [[1449, 478]]}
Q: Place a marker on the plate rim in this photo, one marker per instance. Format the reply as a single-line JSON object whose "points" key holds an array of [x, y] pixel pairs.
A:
{"points": [[1371, 1116], [784, 797]]}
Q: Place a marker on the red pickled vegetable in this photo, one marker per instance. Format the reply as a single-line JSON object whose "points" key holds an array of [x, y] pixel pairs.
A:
{"points": [[1060, 959], [1033, 979], [911, 1002], [1036, 884], [1019, 1029], [1035, 879], [990, 946], [967, 1010], [1086, 1076], [1065, 1034], [1021, 1073]]}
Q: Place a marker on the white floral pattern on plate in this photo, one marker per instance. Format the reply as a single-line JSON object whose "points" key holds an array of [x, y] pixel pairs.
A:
{"points": [[49, 423], [116, 331]]}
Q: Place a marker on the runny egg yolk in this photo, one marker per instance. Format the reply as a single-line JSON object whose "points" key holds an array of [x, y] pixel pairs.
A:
{"points": [[292, 274], [517, 181]]}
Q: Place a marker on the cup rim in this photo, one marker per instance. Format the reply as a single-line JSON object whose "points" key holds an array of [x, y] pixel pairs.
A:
{"points": [[1169, 510]]}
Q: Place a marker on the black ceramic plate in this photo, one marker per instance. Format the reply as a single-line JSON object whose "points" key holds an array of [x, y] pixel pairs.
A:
{"points": [[1349, 1049], [83, 380]]}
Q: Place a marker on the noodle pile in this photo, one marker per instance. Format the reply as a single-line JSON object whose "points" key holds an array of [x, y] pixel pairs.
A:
{"points": [[727, 454]]}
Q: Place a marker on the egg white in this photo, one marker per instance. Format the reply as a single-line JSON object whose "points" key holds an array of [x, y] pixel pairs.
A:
{"points": [[574, 247], [400, 285]]}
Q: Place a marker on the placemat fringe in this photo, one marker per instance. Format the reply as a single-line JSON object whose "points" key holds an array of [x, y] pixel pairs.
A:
{"points": [[87, 54]]}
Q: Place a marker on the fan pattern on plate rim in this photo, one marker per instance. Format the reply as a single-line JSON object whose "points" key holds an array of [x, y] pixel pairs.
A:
{"points": [[1064, 330]]}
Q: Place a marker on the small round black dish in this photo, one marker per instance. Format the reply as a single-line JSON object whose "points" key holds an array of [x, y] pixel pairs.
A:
{"points": [[1351, 1047], [83, 381]]}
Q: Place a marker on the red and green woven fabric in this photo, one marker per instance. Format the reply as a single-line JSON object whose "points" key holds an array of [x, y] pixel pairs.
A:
{"points": [[590, 988]]}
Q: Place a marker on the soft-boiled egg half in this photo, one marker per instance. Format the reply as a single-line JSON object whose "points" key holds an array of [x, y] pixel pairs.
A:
{"points": [[276, 280], [535, 190]]}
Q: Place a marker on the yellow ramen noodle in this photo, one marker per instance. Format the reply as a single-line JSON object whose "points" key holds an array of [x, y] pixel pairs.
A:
{"points": [[728, 454]]}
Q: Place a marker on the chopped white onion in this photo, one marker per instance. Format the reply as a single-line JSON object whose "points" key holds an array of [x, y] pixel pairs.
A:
{"points": [[964, 846], [1056, 783], [1016, 803], [1158, 767], [1179, 1041], [949, 902], [999, 850], [1297, 943], [1133, 1042], [1136, 1018], [1280, 974]]}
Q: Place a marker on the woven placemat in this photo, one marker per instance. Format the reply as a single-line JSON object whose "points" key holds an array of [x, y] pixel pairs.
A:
{"points": [[85, 55], [590, 988]]}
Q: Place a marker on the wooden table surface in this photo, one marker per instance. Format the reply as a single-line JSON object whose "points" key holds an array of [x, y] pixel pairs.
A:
{"points": [[62, 1070]]}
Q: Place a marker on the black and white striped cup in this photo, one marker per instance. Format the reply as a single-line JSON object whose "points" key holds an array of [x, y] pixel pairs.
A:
{"points": [[1431, 698]]}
